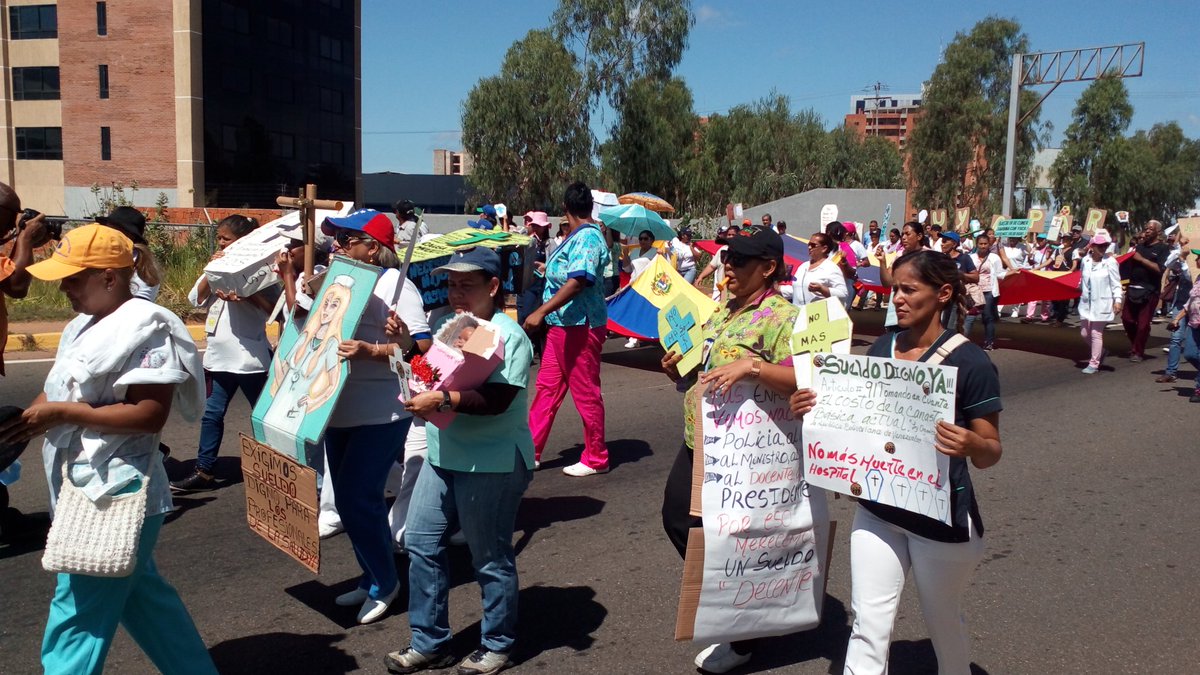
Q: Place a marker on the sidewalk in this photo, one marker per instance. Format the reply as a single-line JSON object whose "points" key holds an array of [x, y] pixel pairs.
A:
{"points": [[34, 339]]}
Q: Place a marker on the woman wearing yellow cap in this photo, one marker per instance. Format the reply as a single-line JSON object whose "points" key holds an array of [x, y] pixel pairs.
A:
{"points": [[123, 363]]}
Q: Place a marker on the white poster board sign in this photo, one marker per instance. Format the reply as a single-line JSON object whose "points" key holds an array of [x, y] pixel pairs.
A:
{"points": [[247, 266], [766, 531], [829, 213], [871, 434]]}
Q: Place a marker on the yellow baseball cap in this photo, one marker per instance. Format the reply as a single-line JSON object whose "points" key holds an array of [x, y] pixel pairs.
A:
{"points": [[91, 247]]}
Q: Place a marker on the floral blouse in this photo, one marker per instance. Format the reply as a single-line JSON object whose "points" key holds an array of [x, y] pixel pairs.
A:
{"points": [[763, 330]]}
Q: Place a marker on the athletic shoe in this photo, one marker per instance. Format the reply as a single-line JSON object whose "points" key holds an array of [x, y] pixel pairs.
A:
{"points": [[1195, 398], [199, 480], [483, 662], [373, 610], [1090, 370], [631, 343], [1165, 379], [411, 661], [720, 658], [326, 530], [537, 464], [354, 597], [989, 346], [1136, 358], [579, 470]]}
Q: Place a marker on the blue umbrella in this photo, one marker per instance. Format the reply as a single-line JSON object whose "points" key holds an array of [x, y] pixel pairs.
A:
{"points": [[632, 219]]}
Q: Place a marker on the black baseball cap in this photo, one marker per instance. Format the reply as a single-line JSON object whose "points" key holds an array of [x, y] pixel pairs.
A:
{"points": [[757, 242], [476, 258], [127, 220]]}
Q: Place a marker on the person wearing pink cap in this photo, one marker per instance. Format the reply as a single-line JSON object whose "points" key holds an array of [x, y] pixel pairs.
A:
{"points": [[1100, 297]]}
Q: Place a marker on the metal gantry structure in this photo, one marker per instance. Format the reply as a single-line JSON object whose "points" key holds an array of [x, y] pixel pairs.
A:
{"points": [[1055, 68]]}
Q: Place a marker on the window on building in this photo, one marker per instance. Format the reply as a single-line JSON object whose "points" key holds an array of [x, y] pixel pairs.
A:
{"points": [[283, 145], [103, 81], [330, 48], [236, 80], [35, 84], [234, 18], [101, 18], [331, 100], [279, 31], [281, 90], [331, 152], [229, 136], [33, 22], [106, 143], [39, 142]]}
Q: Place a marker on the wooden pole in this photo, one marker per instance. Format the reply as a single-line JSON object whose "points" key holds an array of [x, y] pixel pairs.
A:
{"points": [[308, 204]]}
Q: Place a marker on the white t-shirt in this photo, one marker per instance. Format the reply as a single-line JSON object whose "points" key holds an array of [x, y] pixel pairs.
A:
{"points": [[684, 258], [371, 395], [404, 230], [1018, 256], [237, 334], [993, 264], [860, 251], [718, 272], [827, 273], [639, 261]]}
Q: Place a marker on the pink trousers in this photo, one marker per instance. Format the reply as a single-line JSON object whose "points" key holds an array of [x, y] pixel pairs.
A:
{"points": [[1031, 309], [1093, 334], [571, 360]]}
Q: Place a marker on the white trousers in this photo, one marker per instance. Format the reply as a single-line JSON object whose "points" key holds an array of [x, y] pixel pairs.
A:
{"points": [[880, 556], [403, 477], [327, 514]]}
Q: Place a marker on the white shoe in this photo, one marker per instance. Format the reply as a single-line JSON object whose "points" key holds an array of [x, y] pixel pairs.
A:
{"points": [[537, 464], [720, 658], [326, 530], [579, 470], [373, 610], [352, 598], [631, 343]]}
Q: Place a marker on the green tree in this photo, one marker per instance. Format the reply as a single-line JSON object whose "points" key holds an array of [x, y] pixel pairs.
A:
{"points": [[621, 41], [1101, 117], [1153, 174], [528, 139], [956, 151], [852, 161], [655, 123]]}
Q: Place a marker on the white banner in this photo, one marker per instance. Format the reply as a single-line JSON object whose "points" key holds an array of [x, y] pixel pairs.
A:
{"points": [[766, 531], [871, 434]]}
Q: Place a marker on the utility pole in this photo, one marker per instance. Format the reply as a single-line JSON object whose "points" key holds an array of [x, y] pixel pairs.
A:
{"points": [[1054, 68]]}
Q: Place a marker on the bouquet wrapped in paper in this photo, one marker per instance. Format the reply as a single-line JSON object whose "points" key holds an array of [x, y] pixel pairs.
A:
{"points": [[465, 353]]}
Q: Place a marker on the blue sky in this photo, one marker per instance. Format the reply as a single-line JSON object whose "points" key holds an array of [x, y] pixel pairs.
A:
{"points": [[420, 59]]}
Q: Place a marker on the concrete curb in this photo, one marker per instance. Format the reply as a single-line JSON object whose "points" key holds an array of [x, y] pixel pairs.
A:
{"points": [[48, 342]]}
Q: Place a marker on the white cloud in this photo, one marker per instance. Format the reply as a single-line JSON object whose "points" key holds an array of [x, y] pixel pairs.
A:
{"points": [[1194, 119], [709, 14]]}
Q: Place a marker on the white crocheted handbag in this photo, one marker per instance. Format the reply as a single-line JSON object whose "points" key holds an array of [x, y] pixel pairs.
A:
{"points": [[96, 539]]}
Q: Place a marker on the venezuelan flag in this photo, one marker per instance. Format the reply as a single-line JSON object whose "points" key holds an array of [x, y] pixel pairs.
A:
{"points": [[633, 310]]}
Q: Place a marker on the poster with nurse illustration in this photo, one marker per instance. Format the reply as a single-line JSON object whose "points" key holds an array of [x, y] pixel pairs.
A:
{"points": [[306, 375]]}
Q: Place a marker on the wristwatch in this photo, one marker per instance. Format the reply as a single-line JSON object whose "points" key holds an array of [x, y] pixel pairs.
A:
{"points": [[755, 366], [445, 406]]}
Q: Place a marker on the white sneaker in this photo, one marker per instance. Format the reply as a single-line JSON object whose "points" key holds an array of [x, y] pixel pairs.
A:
{"points": [[537, 464], [579, 470], [631, 343], [326, 530], [720, 658], [354, 597], [373, 610]]}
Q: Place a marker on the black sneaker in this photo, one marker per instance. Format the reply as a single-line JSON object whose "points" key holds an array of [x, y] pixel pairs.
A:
{"points": [[411, 661], [197, 481]]}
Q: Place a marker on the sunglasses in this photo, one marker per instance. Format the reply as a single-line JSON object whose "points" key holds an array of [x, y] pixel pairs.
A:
{"points": [[735, 259], [346, 239], [645, 239]]}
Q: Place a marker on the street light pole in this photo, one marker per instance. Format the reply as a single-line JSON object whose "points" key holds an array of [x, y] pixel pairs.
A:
{"points": [[1010, 153]]}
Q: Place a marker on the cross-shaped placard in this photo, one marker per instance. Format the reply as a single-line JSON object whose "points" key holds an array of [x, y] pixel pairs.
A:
{"points": [[476, 238], [679, 331], [823, 326]]}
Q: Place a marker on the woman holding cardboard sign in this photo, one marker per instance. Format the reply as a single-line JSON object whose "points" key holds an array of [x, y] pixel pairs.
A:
{"points": [[749, 337], [478, 467], [886, 541]]}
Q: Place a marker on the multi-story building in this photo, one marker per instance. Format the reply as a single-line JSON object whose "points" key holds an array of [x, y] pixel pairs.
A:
{"points": [[892, 117], [451, 163], [210, 102]]}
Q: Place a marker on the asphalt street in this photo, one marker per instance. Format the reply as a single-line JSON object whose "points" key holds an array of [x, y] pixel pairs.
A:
{"points": [[1090, 564]]}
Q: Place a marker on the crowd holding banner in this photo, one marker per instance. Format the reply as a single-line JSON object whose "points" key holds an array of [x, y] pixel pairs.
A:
{"points": [[402, 372]]}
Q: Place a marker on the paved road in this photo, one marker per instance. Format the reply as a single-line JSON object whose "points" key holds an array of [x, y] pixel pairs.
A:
{"points": [[1090, 519]]}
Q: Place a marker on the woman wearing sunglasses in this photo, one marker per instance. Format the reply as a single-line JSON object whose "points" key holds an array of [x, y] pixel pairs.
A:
{"points": [[748, 337], [819, 277], [634, 262]]}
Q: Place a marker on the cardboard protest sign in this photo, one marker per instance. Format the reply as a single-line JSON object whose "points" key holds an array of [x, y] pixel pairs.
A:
{"points": [[962, 219], [887, 215], [679, 328], [466, 350], [829, 213], [1189, 228], [1095, 219], [871, 434], [1037, 220], [281, 502], [307, 376], [822, 326], [1122, 216], [758, 567], [1012, 227], [516, 261], [247, 266], [996, 219], [939, 217]]}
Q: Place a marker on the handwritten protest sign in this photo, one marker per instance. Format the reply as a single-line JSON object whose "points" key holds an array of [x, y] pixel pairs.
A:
{"points": [[281, 502], [996, 220], [1012, 227], [1095, 219], [1037, 220], [871, 434], [829, 213], [679, 325], [766, 531], [962, 219], [822, 326]]}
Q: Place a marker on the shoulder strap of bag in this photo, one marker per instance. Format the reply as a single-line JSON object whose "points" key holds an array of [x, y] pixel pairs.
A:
{"points": [[957, 340]]}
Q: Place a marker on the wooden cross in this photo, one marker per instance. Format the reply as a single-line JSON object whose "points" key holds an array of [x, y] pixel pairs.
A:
{"points": [[308, 204], [820, 333], [476, 238], [680, 325]]}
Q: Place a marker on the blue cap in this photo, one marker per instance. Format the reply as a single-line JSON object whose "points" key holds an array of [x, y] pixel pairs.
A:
{"points": [[952, 236], [487, 210], [476, 258]]}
